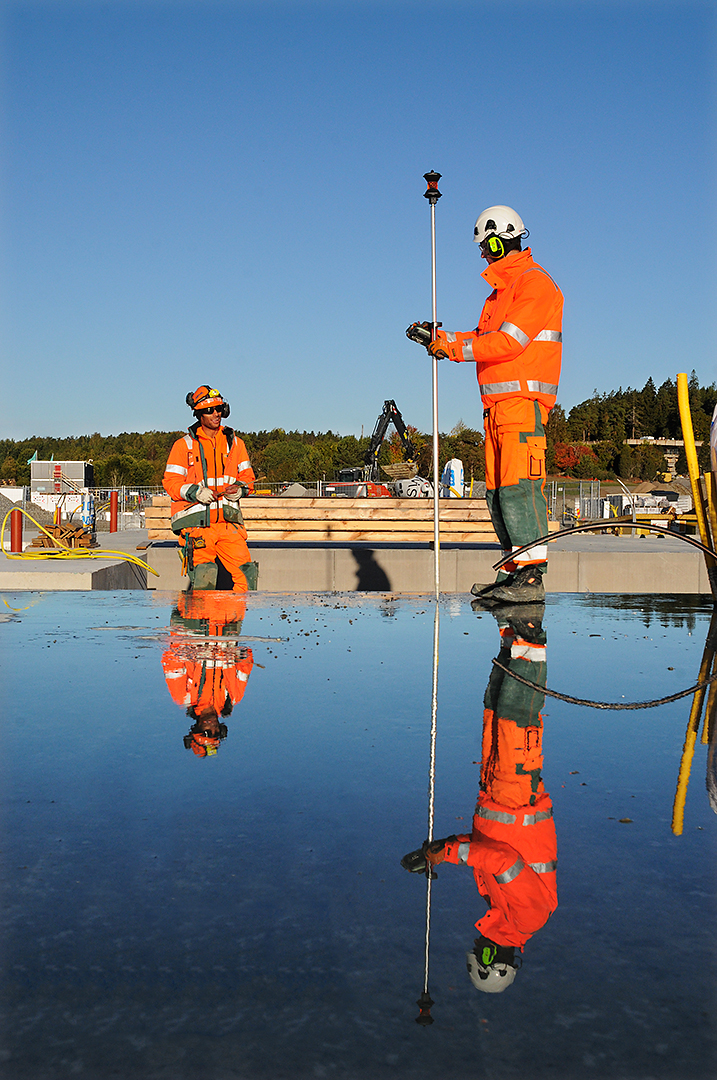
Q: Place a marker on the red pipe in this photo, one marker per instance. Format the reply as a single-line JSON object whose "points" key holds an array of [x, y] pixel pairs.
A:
{"points": [[114, 501], [16, 530]]}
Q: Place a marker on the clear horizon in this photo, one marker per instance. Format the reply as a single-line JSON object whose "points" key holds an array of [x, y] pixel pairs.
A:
{"points": [[231, 191]]}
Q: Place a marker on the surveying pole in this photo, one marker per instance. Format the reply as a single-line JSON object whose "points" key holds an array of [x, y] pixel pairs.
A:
{"points": [[433, 195]]}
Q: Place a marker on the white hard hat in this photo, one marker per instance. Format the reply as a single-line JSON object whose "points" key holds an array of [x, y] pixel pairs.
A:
{"points": [[493, 979], [501, 221]]}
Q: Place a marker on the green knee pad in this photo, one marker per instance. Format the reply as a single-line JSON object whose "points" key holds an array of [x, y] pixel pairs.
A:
{"points": [[204, 576], [251, 573]]}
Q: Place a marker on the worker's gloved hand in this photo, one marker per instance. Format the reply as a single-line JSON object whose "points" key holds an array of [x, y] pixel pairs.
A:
{"points": [[235, 492], [204, 495], [433, 853], [436, 850], [420, 332], [437, 349]]}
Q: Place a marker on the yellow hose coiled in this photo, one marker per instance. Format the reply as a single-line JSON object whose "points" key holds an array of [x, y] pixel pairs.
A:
{"points": [[64, 552]]}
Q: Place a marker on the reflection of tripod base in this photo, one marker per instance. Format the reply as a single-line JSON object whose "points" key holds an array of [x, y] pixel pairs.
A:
{"points": [[424, 1003]]}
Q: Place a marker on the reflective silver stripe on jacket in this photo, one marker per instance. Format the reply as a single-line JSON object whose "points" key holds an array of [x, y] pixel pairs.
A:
{"points": [[463, 849], [450, 336], [188, 441], [179, 469], [544, 867], [548, 335], [500, 388], [495, 815], [190, 517], [542, 387], [541, 815], [467, 350], [509, 874], [515, 332]]}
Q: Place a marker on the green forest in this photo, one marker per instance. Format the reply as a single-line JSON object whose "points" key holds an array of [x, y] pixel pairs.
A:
{"points": [[587, 443]]}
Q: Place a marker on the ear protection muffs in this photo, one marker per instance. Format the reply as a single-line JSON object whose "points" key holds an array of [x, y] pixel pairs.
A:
{"points": [[495, 246]]}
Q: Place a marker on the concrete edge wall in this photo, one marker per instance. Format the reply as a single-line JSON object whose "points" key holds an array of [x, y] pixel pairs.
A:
{"points": [[410, 570]]}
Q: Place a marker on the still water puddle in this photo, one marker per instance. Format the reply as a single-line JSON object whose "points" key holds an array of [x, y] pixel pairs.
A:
{"points": [[204, 809]]}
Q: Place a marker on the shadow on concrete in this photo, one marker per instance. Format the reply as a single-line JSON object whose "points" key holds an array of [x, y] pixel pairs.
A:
{"points": [[370, 577]]}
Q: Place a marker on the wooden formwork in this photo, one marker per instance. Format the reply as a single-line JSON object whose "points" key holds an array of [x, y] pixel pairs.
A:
{"points": [[307, 520]]}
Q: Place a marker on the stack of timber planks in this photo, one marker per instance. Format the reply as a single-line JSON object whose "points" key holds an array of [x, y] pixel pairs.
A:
{"points": [[65, 536], [311, 521]]}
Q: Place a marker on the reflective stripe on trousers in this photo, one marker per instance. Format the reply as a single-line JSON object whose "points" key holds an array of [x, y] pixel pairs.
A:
{"points": [[544, 867], [511, 873]]}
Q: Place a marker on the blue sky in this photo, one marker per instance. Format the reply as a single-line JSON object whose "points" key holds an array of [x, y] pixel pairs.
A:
{"points": [[231, 191]]}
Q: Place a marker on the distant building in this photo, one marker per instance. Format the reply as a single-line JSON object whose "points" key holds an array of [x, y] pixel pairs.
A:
{"points": [[60, 477]]}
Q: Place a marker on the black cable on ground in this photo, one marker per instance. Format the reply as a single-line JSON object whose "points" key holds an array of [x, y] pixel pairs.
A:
{"points": [[605, 704], [600, 526]]}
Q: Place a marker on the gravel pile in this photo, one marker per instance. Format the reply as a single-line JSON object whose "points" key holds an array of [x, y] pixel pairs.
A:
{"points": [[44, 517]]}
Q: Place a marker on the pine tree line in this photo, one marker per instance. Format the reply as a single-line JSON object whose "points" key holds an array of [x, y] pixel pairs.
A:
{"points": [[588, 442]]}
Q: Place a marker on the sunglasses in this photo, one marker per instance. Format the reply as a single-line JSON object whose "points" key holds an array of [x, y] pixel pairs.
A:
{"points": [[207, 412]]}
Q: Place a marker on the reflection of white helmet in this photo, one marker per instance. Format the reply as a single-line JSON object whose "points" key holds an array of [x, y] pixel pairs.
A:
{"points": [[493, 979], [500, 220]]}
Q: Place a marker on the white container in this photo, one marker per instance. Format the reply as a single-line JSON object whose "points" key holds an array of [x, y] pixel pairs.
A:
{"points": [[452, 479]]}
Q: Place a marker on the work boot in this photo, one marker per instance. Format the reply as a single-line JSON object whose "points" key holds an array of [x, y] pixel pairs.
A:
{"points": [[484, 603], [525, 619], [486, 590], [525, 588]]}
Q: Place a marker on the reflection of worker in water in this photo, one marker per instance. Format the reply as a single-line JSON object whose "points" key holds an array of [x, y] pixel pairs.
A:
{"points": [[208, 676], [207, 474], [512, 848]]}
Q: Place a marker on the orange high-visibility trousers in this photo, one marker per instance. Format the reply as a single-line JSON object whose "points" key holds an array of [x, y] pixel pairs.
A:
{"points": [[515, 478], [224, 539]]}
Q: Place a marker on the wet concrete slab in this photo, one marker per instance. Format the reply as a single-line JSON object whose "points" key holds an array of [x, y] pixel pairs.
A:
{"points": [[231, 905]]}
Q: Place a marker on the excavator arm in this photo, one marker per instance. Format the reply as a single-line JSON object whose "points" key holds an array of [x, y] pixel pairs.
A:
{"points": [[389, 415]]}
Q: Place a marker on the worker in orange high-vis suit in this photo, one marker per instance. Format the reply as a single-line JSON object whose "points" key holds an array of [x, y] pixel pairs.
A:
{"points": [[516, 348], [207, 474], [207, 676], [512, 848]]}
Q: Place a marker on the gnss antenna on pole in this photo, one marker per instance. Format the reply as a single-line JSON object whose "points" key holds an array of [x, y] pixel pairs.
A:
{"points": [[433, 195]]}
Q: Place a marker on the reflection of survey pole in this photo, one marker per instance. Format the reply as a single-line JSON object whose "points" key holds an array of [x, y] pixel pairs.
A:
{"points": [[433, 195], [424, 1002], [693, 724]]}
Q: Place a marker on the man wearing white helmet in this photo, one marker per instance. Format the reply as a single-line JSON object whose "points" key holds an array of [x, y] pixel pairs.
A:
{"points": [[516, 348]]}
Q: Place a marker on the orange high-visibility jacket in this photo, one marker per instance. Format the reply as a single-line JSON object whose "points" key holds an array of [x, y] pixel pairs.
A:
{"points": [[198, 459], [206, 682], [513, 854], [517, 344]]}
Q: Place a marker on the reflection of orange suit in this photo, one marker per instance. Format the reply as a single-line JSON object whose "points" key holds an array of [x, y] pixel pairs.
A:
{"points": [[210, 671], [513, 847], [207, 682]]}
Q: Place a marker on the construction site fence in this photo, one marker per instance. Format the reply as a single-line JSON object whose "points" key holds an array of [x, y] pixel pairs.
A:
{"points": [[571, 501]]}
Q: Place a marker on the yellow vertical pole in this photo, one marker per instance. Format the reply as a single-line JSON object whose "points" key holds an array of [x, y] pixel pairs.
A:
{"points": [[710, 708], [688, 436], [711, 490], [688, 750]]}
